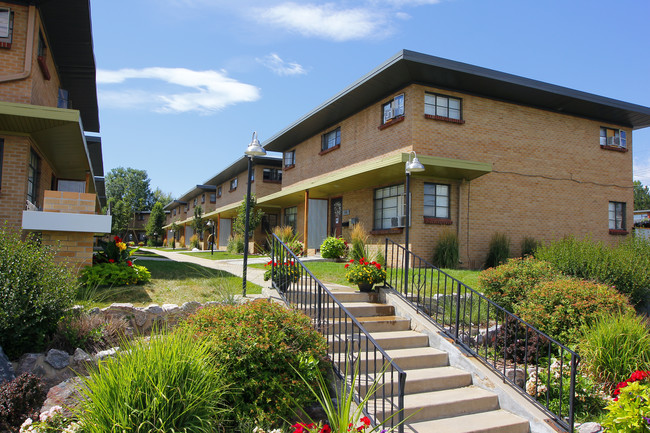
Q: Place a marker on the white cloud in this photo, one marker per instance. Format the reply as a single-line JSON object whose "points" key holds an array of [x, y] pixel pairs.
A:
{"points": [[280, 67], [211, 90], [328, 21], [642, 170]]}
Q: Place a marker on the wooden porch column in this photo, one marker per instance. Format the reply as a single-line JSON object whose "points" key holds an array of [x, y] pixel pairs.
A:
{"points": [[218, 231], [305, 223]]}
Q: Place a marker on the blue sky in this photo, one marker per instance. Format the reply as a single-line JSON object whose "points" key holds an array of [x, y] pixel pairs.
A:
{"points": [[182, 84]]}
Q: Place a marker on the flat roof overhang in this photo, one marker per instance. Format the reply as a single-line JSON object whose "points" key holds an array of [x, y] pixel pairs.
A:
{"points": [[380, 171], [58, 133]]}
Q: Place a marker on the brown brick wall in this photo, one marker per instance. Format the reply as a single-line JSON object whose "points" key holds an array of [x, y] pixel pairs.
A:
{"points": [[75, 250], [13, 190], [69, 202]]}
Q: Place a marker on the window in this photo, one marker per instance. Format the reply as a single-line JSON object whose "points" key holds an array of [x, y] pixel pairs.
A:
{"points": [[219, 191], [252, 175], [141, 217], [71, 185], [613, 138], [272, 175], [213, 197], [289, 158], [389, 207], [2, 150], [203, 198], [331, 139], [393, 109], [32, 177], [233, 184], [174, 213], [63, 100], [436, 200], [616, 215], [291, 217], [6, 27], [442, 106], [187, 208], [42, 55]]}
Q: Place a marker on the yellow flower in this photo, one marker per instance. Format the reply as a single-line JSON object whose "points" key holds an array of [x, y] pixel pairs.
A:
{"points": [[121, 246]]}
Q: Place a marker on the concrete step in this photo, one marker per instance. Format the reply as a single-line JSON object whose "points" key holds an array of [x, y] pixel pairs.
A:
{"points": [[420, 380], [372, 324], [406, 359], [495, 421], [385, 340], [358, 309]]}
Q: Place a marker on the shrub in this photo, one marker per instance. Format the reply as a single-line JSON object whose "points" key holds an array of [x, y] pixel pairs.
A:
{"points": [[88, 332], [194, 241], [291, 240], [34, 293], [262, 347], [114, 274], [235, 244], [181, 241], [168, 383], [614, 345], [20, 399], [333, 248], [630, 413], [529, 246], [498, 250], [510, 283], [514, 342], [626, 266], [447, 251], [359, 237], [560, 307]]}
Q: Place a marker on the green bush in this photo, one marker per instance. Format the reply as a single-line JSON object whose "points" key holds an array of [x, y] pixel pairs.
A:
{"points": [[560, 307], [626, 266], [34, 293], [630, 413], [614, 345], [498, 250], [529, 246], [262, 347], [447, 251], [510, 283], [236, 244], [114, 274], [169, 383], [333, 248]]}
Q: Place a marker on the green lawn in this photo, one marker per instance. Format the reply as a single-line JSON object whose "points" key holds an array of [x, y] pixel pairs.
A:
{"points": [[219, 255], [174, 283]]}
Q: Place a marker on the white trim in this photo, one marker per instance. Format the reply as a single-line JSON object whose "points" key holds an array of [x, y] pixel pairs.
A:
{"points": [[66, 222]]}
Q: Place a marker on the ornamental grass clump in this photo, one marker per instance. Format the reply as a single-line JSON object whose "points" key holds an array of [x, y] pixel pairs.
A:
{"points": [[447, 251], [363, 272], [498, 250], [359, 237]]}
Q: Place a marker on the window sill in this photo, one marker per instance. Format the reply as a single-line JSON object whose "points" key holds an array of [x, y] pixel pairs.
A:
{"points": [[323, 152], [272, 181], [444, 119], [614, 148], [438, 221], [289, 167], [231, 190], [391, 122], [618, 232], [387, 231]]}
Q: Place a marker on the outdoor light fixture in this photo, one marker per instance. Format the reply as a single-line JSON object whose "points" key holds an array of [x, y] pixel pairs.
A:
{"points": [[413, 165], [253, 149]]}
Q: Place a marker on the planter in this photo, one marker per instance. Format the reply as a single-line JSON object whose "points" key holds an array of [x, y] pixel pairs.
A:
{"points": [[365, 287]]}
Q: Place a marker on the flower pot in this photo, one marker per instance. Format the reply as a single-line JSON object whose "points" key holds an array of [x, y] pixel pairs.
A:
{"points": [[365, 287]]}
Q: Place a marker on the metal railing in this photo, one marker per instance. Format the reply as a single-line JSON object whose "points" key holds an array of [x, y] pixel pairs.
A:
{"points": [[351, 349], [498, 338]]}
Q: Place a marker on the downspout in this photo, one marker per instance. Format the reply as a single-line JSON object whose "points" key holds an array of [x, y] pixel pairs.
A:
{"points": [[29, 49]]}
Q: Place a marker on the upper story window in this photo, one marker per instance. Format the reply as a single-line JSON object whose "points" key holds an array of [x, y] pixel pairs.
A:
{"points": [[289, 158], [141, 217], [32, 177], [219, 191], [6, 27], [174, 212], [71, 185], [393, 109], [436, 200], [613, 138], [272, 175], [187, 208], [203, 198], [331, 139], [195, 202], [213, 197], [389, 207], [616, 215], [233, 184], [442, 106], [42, 56]]}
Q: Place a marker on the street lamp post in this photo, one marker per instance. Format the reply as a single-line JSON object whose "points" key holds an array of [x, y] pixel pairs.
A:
{"points": [[253, 149], [413, 165], [211, 225]]}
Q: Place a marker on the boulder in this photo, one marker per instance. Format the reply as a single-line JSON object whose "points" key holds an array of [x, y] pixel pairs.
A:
{"points": [[6, 369], [58, 359], [518, 377]]}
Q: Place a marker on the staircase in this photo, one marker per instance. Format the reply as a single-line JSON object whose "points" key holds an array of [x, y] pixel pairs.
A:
{"points": [[438, 397]]}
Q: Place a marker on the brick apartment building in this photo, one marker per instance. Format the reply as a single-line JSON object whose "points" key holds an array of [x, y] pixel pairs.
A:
{"points": [[51, 173], [502, 153]]}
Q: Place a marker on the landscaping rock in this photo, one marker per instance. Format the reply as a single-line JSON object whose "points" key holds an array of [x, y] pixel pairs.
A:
{"points": [[94, 310], [590, 427], [108, 353], [81, 357], [65, 394], [26, 363], [57, 358], [170, 308], [517, 376], [190, 307], [6, 369], [154, 309]]}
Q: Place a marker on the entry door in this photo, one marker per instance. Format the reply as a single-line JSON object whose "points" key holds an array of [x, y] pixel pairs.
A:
{"points": [[189, 232], [336, 217], [317, 223], [224, 231]]}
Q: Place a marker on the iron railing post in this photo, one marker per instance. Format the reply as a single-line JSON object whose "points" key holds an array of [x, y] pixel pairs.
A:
{"points": [[273, 246], [457, 310], [572, 393], [400, 401]]}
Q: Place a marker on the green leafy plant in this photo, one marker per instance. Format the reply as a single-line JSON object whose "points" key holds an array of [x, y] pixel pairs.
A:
{"points": [[262, 345], [290, 239], [614, 345], [254, 216], [283, 273], [169, 383], [498, 250], [114, 274], [446, 253], [333, 248], [364, 272], [235, 244], [114, 251], [529, 246], [20, 399], [34, 293], [630, 411]]}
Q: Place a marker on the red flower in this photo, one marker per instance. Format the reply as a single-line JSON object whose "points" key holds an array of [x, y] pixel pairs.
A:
{"points": [[365, 420], [346, 265], [117, 239], [325, 429], [111, 261], [129, 263], [352, 261], [270, 262]]}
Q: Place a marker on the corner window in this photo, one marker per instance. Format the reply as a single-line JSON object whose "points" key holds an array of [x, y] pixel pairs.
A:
{"points": [[389, 207], [233, 184], [203, 198], [195, 202], [272, 175], [213, 198], [42, 56], [393, 109], [174, 212], [616, 215], [291, 217], [219, 191], [613, 138], [289, 158], [442, 106], [436, 200], [331, 139], [32, 177], [6, 27]]}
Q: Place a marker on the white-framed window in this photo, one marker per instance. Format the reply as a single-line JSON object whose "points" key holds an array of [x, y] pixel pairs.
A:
{"points": [[290, 158], [219, 191], [613, 137], [442, 106], [291, 217], [213, 197], [331, 139], [389, 207], [32, 177], [203, 198], [272, 174], [6, 27], [71, 185], [436, 200], [616, 215], [233, 184], [174, 212], [195, 202], [393, 108]]}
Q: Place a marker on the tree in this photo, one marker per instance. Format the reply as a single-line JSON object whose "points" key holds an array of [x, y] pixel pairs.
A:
{"points": [[162, 197], [198, 224], [254, 218], [121, 217], [156, 221], [131, 186], [641, 196]]}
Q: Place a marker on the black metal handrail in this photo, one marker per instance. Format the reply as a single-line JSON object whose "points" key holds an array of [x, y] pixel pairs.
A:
{"points": [[498, 338], [348, 341]]}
